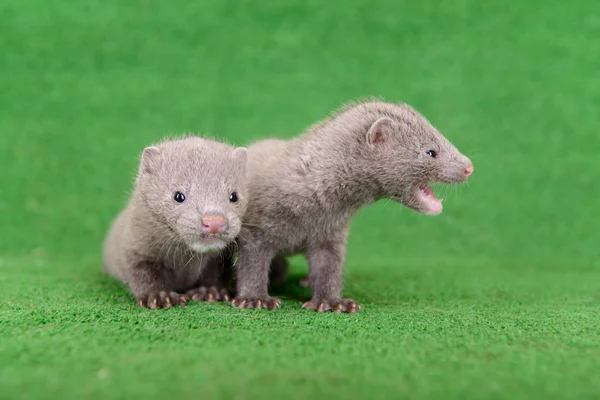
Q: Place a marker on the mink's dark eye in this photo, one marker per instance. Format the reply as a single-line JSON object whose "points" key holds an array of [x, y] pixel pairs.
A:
{"points": [[179, 197], [432, 153], [233, 197]]}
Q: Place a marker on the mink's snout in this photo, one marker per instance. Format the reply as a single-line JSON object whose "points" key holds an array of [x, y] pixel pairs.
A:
{"points": [[214, 224], [457, 170], [469, 170]]}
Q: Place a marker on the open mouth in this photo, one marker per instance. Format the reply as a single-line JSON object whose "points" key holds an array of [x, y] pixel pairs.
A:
{"points": [[430, 204]]}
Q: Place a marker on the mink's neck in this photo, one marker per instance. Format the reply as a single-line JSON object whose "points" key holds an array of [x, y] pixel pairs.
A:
{"points": [[336, 175]]}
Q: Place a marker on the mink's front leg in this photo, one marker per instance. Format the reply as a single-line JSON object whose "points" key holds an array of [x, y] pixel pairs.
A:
{"points": [[215, 277], [253, 277], [326, 261], [151, 285]]}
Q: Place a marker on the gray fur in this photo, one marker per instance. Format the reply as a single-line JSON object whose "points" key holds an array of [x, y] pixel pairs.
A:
{"points": [[156, 245], [304, 192]]}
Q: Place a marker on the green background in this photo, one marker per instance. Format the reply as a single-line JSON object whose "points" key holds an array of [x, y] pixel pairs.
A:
{"points": [[498, 297]]}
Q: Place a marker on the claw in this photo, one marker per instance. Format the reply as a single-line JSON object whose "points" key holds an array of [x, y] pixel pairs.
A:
{"points": [[225, 295], [162, 299], [344, 306], [198, 294], [270, 304], [210, 295], [153, 304], [274, 304], [183, 300]]}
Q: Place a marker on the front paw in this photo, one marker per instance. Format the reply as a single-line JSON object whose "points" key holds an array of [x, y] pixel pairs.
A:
{"points": [[162, 299], [209, 294], [337, 306], [270, 303]]}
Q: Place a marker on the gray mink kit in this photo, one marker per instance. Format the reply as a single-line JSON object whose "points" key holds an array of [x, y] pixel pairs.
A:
{"points": [[168, 243], [303, 193]]}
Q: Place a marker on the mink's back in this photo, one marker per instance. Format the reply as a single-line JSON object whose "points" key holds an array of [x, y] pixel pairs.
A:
{"points": [[263, 154], [115, 245]]}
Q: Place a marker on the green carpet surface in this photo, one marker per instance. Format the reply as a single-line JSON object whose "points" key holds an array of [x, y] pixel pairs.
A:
{"points": [[498, 297]]}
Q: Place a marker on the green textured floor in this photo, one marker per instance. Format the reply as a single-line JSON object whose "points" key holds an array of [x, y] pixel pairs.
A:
{"points": [[496, 298]]}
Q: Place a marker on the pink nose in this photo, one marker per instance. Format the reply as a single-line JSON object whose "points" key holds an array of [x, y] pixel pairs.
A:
{"points": [[214, 224], [469, 170]]}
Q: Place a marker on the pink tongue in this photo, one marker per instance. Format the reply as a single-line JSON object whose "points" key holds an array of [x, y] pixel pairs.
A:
{"points": [[432, 203]]}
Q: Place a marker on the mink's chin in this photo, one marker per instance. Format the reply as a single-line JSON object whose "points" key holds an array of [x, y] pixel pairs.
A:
{"points": [[208, 244]]}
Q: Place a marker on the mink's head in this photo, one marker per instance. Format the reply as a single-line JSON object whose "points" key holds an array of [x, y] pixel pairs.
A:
{"points": [[406, 154], [195, 189]]}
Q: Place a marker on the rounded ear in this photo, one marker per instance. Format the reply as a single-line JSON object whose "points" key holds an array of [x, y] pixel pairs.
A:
{"points": [[380, 131], [241, 154], [150, 160]]}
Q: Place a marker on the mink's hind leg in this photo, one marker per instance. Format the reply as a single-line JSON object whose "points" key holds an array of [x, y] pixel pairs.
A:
{"points": [[253, 278], [326, 262], [215, 277], [151, 285]]}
